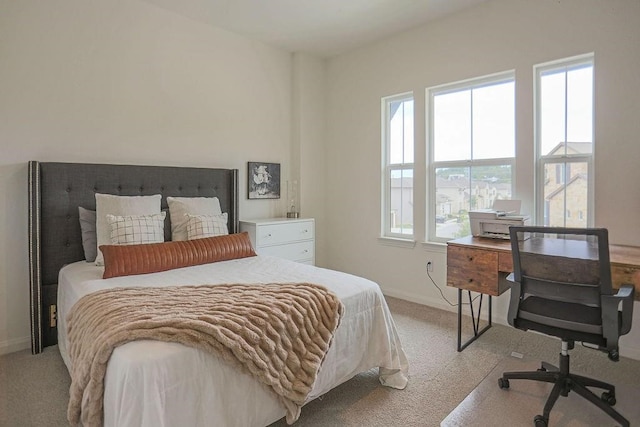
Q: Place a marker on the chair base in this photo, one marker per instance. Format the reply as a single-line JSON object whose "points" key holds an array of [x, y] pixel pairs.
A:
{"points": [[564, 382]]}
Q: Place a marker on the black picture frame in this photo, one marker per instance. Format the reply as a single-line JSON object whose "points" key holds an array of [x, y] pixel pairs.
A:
{"points": [[263, 180]]}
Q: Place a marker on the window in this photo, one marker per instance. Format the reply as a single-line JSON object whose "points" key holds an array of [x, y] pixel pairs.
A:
{"points": [[397, 143], [471, 151], [564, 142]]}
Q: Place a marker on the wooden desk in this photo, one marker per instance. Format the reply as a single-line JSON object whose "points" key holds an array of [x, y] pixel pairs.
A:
{"points": [[478, 264]]}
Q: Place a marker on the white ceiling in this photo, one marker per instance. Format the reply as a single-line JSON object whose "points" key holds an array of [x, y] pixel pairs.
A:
{"points": [[321, 27]]}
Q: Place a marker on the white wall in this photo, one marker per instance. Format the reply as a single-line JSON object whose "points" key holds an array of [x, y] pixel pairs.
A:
{"points": [[495, 36], [126, 82], [308, 136]]}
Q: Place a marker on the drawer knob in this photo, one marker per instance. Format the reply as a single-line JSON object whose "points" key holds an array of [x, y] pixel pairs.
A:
{"points": [[470, 280], [470, 258]]}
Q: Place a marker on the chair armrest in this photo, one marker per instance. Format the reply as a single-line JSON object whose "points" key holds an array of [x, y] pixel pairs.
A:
{"points": [[516, 290], [626, 293], [616, 322]]}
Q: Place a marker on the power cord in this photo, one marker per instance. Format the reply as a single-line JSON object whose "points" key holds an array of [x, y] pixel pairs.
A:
{"points": [[442, 293]]}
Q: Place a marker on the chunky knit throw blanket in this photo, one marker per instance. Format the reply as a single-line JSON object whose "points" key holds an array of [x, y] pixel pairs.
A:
{"points": [[279, 333]]}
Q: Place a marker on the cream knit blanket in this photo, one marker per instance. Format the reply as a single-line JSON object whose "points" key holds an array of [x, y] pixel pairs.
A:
{"points": [[279, 333]]}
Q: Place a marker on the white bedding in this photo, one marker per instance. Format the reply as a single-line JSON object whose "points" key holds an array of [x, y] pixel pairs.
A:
{"points": [[151, 383]]}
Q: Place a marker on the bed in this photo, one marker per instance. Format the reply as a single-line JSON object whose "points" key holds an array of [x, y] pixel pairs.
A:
{"points": [[153, 383]]}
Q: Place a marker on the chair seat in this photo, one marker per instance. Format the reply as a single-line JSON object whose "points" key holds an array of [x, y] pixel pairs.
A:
{"points": [[559, 314], [561, 286]]}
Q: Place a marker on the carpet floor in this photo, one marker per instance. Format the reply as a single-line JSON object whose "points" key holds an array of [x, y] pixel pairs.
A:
{"points": [[34, 389]]}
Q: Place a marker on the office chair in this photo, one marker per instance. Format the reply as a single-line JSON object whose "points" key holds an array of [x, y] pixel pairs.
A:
{"points": [[561, 286]]}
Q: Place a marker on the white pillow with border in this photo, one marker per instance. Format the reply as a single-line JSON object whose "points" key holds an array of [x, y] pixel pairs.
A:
{"points": [[180, 206], [201, 226], [120, 205], [136, 229]]}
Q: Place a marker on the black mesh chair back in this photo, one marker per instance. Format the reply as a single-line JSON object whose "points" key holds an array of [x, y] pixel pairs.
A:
{"points": [[561, 286], [563, 272]]}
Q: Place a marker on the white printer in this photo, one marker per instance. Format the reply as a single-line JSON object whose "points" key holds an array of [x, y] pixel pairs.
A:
{"points": [[495, 222]]}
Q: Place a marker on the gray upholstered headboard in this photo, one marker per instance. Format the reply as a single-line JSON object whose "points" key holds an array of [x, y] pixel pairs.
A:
{"points": [[57, 189]]}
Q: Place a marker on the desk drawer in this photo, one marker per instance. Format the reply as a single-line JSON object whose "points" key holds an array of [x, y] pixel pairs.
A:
{"points": [[472, 269], [625, 275], [505, 262]]}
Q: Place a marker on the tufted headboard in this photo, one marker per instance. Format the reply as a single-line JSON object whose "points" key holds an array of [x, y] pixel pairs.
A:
{"points": [[57, 189]]}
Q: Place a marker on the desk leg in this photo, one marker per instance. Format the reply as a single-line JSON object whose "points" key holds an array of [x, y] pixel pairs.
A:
{"points": [[475, 319]]}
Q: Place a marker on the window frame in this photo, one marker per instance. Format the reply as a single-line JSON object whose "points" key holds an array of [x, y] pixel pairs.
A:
{"points": [[388, 168], [542, 161], [433, 166]]}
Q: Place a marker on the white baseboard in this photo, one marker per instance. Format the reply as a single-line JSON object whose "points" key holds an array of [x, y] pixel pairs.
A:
{"points": [[13, 345], [629, 350], [438, 303], [420, 299]]}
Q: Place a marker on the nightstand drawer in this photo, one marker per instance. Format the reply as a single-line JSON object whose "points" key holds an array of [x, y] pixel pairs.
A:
{"points": [[292, 239], [276, 234], [293, 251]]}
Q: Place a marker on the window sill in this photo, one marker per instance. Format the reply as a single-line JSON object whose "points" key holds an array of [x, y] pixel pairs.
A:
{"points": [[435, 246], [396, 242]]}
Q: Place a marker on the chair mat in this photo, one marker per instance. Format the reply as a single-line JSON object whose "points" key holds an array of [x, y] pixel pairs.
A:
{"points": [[488, 405]]}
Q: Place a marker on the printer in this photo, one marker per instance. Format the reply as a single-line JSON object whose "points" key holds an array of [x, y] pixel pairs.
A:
{"points": [[495, 222]]}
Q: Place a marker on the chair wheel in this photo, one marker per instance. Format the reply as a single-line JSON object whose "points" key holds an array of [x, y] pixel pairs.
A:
{"points": [[614, 355], [540, 421], [503, 383], [609, 398], [542, 369]]}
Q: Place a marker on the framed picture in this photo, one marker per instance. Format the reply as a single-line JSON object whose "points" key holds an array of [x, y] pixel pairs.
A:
{"points": [[264, 180]]}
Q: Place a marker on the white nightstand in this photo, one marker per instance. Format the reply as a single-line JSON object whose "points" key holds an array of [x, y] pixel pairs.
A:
{"points": [[292, 239]]}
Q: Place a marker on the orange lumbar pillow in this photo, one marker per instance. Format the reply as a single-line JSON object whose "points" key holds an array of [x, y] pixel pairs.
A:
{"points": [[125, 260]]}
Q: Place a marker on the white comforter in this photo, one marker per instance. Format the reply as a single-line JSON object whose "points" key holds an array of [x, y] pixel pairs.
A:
{"points": [[156, 384]]}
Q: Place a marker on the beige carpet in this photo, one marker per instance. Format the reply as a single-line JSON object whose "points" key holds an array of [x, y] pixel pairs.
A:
{"points": [[440, 378], [34, 389], [488, 405]]}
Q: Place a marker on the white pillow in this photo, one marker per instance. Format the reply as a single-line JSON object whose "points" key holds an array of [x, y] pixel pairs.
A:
{"points": [[136, 229], [120, 205], [200, 226], [179, 206]]}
